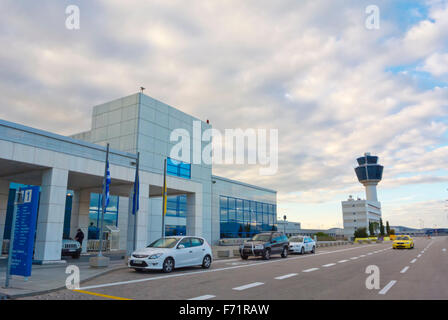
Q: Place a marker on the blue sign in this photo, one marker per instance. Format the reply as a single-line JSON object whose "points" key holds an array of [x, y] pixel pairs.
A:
{"points": [[25, 228]]}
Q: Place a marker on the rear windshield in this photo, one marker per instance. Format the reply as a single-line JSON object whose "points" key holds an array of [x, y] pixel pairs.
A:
{"points": [[262, 237], [402, 238], [296, 239], [164, 243]]}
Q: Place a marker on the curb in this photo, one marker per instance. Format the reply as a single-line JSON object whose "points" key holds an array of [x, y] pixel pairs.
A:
{"points": [[4, 296]]}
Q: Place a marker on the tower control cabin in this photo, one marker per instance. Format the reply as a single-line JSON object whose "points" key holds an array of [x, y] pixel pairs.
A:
{"points": [[359, 213]]}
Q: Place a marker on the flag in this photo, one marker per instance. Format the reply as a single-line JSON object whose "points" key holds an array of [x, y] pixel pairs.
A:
{"points": [[164, 190], [135, 199], [107, 187]]}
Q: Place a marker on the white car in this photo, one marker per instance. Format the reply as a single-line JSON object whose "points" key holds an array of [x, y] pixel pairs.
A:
{"points": [[172, 252], [302, 244]]}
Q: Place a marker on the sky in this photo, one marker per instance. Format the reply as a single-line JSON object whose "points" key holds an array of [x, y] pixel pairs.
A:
{"points": [[333, 88]]}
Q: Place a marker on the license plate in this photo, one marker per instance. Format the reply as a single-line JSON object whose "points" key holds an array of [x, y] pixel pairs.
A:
{"points": [[72, 250], [138, 262]]}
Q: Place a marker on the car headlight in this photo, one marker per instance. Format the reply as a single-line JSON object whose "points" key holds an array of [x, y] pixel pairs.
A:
{"points": [[155, 256], [259, 246]]}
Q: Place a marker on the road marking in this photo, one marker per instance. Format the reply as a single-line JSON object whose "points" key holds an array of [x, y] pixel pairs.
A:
{"points": [[247, 286], [204, 297], [175, 275], [329, 265], [444, 249], [310, 270], [419, 256], [286, 276], [101, 295], [413, 260], [353, 258], [404, 269], [342, 261], [423, 251], [369, 253], [387, 287], [362, 256]]}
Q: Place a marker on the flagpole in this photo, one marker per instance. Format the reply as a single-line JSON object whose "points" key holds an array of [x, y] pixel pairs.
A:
{"points": [[164, 199], [103, 202], [135, 200]]}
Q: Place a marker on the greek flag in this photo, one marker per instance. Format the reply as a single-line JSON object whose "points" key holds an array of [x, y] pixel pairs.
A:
{"points": [[108, 180]]}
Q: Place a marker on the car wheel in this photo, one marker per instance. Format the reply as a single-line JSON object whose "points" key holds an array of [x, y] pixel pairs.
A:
{"points": [[302, 251], [267, 254], [207, 262], [244, 257], [285, 252], [313, 250], [168, 265]]}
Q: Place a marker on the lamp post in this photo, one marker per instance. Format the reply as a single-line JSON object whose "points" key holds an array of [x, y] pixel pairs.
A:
{"points": [[284, 224]]}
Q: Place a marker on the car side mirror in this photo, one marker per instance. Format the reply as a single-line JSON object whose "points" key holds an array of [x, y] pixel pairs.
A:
{"points": [[181, 246]]}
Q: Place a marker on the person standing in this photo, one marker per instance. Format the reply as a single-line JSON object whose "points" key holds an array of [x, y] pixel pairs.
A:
{"points": [[79, 236]]}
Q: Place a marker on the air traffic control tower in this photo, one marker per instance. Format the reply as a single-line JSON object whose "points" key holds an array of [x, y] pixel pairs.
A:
{"points": [[358, 213]]}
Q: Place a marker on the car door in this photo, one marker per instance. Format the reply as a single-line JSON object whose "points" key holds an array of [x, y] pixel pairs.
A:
{"points": [[307, 244], [197, 246], [276, 243], [184, 256]]}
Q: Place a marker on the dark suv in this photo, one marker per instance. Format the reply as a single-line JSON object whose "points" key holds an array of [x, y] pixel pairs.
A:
{"points": [[265, 244]]}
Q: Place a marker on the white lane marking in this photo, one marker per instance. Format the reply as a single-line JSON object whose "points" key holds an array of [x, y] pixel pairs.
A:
{"points": [[204, 297], [342, 261], [404, 269], [413, 260], [369, 253], [286, 276], [362, 256], [249, 285], [387, 287], [419, 256], [444, 249], [423, 251], [119, 283], [310, 270], [329, 265], [353, 258]]}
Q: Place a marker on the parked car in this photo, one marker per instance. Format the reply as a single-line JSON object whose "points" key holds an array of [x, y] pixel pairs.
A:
{"points": [[302, 244], [172, 252], [71, 248], [403, 242], [265, 244]]}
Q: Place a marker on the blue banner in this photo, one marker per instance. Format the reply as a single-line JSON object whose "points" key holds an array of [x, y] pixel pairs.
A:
{"points": [[24, 231]]}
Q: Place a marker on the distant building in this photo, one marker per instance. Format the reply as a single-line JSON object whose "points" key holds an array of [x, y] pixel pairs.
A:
{"points": [[359, 213]]}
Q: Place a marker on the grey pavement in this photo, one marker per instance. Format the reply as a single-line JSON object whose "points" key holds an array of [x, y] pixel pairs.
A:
{"points": [[331, 273]]}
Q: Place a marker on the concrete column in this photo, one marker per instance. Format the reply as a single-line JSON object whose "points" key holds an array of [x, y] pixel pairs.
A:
{"points": [[50, 222], [123, 217], [80, 215], [194, 214], [142, 220], [4, 194]]}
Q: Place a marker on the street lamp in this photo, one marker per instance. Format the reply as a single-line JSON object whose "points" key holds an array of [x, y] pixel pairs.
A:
{"points": [[284, 224]]}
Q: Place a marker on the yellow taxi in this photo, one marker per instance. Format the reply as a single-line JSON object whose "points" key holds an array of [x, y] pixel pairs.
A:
{"points": [[403, 242]]}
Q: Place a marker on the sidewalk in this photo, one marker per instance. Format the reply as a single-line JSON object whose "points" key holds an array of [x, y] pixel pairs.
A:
{"points": [[46, 278]]}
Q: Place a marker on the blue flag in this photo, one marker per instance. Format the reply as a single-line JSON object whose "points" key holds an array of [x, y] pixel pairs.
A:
{"points": [[108, 180], [135, 199]]}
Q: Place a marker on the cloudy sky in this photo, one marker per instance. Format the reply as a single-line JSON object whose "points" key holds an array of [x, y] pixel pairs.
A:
{"points": [[311, 69]]}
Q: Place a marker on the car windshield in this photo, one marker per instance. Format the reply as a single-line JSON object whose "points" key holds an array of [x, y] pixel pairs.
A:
{"points": [[402, 238], [262, 237], [296, 239], [164, 243]]}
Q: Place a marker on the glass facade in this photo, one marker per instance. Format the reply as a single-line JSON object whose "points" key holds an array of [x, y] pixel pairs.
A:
{"points": [[171, 230], [110, 216], [178, 168], [241, 218], [176, 206]]}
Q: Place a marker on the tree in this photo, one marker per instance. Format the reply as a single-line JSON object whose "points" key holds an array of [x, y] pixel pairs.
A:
{"points": [[361, 233], [371, 229], [381, 227], [392, 231], [387, 228]]}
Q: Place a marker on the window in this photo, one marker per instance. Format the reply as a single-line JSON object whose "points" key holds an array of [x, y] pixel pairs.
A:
{"points": [[196, 242], [186, 242], [176, 206], [110, 216], [178, 168]]}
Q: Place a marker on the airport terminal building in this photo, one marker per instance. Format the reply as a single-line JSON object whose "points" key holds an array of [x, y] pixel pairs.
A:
{"points": [[70, 170]]}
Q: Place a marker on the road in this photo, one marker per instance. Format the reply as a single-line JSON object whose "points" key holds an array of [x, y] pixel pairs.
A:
{"points": [[330, 273]]}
